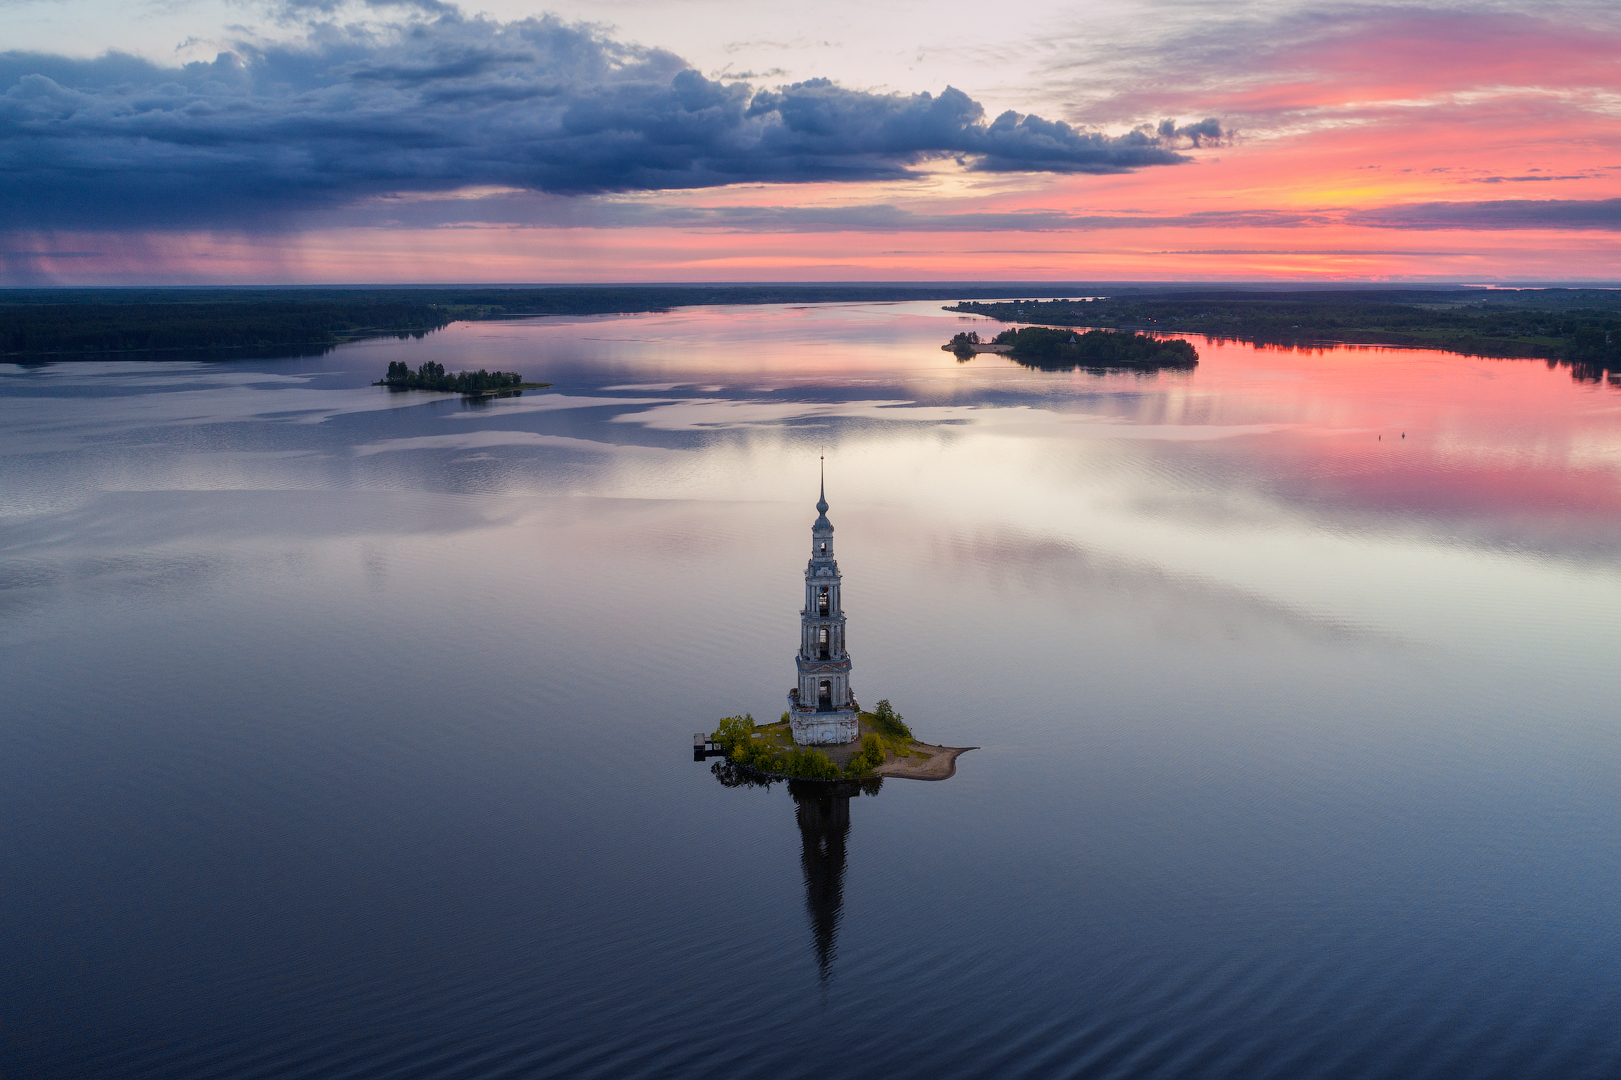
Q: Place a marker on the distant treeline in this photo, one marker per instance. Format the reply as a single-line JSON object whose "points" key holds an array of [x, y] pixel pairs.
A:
{"points": [[432, 376], [56, 324], [1044, 347], [166, 328], [1578, 327]]}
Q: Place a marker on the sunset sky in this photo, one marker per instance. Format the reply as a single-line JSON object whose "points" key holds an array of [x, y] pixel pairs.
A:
{"points": [[235, 142]]}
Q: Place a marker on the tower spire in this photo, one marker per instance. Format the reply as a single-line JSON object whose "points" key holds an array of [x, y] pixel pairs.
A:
{"points": [[821, 503]]}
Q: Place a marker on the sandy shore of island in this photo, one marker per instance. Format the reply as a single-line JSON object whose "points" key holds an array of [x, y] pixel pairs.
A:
{"points": [[939, 764], [924, 761]]}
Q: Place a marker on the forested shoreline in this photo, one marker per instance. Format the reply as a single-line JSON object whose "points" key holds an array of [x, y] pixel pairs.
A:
{"points": [[1577, 327], [61, 324]]}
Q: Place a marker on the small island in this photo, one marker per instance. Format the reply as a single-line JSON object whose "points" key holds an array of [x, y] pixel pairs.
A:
{"points": [[825, 735], [432, 376], [1053, 349], [967, 345], [886, 748]]}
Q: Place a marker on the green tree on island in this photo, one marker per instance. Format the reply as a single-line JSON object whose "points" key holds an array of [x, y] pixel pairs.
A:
{"points": [[890, 722], [871, 756], [736, 735]]}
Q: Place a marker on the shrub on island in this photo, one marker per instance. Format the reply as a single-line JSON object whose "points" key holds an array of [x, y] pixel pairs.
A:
{"points": [[733, 731], [889, 722], [871, 756], [736, 735]]}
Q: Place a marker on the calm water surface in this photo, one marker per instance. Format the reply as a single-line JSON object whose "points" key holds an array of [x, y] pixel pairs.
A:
{"points": [[345, 733]]}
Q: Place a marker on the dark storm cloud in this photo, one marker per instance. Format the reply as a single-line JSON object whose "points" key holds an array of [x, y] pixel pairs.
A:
{"points": [[1196, 133], [524, 209], [1586, 214], [454, 103]]}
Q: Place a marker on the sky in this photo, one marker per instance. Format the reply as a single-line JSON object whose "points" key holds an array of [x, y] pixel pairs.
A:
{"points": [[328, 141]]}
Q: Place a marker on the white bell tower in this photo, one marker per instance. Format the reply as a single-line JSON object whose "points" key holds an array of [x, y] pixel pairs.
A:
{"points": [[822, 709]]}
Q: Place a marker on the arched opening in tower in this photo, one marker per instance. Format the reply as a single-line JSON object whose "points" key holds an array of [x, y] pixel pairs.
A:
{"points": [[821, 640], [822, 602], [824, 696]]}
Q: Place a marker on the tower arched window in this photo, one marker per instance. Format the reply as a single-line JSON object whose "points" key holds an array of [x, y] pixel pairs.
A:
{"points": [[822, 641], [822, 602]]}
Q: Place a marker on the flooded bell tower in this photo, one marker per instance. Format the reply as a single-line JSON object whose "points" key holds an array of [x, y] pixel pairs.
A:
{"points": [[822, 709]]}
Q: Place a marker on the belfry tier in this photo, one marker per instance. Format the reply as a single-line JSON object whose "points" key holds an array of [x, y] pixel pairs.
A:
{"points": [[823, 617], [822, 708]]}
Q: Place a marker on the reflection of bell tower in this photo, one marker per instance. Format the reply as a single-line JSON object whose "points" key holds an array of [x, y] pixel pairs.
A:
{"points": [[823, 812], [824, 821], [822, 709]]}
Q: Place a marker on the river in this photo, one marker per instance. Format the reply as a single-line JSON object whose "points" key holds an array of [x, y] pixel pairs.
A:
{"points": [[346, 733]]}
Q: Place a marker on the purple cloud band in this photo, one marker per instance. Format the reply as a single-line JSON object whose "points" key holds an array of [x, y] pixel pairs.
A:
{"points": [[117, 142]]}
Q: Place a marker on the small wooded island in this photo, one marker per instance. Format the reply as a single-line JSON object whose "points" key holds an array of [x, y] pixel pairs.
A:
{"points": [[825, 734], [432, 376], [1048, 348]]}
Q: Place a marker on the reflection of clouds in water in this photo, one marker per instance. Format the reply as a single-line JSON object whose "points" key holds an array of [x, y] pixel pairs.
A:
{"points": [[28, 583], [474, 440], [45, 425], [123, 373], [666, 387], [723, 412], [121, 521], [252, 455], [549, 403], [1184, 605], [711, 413]]}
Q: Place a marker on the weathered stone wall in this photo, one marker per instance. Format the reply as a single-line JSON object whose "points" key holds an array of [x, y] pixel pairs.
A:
{"points": [[823, 728]]}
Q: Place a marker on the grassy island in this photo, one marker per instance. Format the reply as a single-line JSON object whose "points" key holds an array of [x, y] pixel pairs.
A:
{"points": [[886, 748], [432, 376]]}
